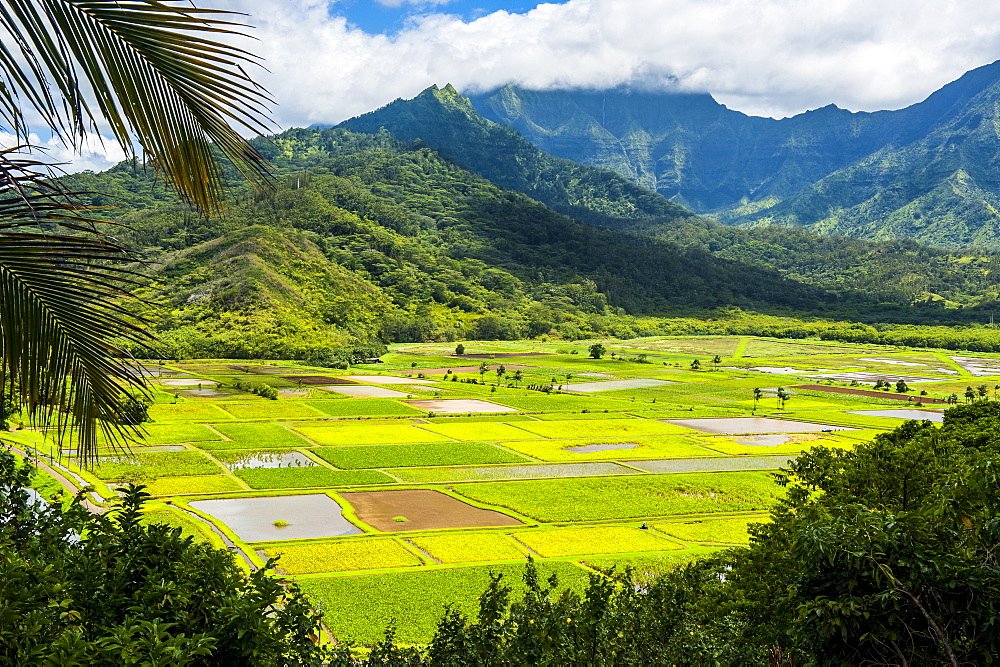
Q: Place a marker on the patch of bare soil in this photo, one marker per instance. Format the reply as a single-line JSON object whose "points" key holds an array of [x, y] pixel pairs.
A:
{"points": [[422, 509]]}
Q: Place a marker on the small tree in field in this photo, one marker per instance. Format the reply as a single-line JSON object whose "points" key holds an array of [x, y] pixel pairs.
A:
{"points": [[517, 377], [483, 369], [696, 365], [501, 370], [597, 351], [757, 393], [901, 387], [459, 349], [716, 360], [782, 396]]}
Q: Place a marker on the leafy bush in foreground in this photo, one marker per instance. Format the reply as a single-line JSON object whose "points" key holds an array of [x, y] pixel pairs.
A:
{"points": [[79, 588]]}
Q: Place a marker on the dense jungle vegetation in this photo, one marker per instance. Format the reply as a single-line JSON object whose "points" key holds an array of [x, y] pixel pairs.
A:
{"points": [[368, 239]]}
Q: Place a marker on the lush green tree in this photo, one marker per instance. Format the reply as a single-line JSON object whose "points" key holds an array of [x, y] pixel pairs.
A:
{"points": [[80, 588], [459, 349], [696, 365], [596, 351], [517, 377], [757, 393], [154, 73], [901, 387]]}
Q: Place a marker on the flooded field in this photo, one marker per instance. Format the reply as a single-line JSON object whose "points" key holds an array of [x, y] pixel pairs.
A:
{"points": [[260, 519], [902, 414], [755, 425], [272, 460], [612, 385]]}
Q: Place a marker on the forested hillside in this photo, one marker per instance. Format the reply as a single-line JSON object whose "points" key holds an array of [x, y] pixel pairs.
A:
{"points": [[926, 172], [368, 239]]}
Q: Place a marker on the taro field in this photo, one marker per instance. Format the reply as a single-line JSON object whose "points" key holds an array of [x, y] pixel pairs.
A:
{"points": [[389, 490]]}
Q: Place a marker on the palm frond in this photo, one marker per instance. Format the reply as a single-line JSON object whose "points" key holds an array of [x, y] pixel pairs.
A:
{"points": [[64, 292], [153, 70]]}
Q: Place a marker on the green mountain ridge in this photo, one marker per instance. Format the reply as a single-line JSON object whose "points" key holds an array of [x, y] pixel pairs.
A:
{"points": [[926, 172]]}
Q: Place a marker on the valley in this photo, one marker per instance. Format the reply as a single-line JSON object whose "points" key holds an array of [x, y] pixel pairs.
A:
{"points": [[413, 478]]}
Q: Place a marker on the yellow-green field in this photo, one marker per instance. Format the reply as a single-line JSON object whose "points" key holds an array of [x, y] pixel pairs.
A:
{"points": [[409, 504]]}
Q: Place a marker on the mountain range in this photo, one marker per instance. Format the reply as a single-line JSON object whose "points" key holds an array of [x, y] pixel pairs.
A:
{"points": [[426, 220]]}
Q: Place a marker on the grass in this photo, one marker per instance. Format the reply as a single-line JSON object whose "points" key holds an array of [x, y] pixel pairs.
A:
{"points": [[507, 417], [365, 407], [139, 466], [314, 476], [358, 609], [368, 434], [667, 447], [530, 471], [562, 403], [550, 416], [171, 434], [270, 410], [187, 411], [488, 431], [469, 548], [431, 454], [342, 556], [627, 497], [256, 436], [597, 428], [647, 566], [170, 486], [717, 531], [592, 540]]}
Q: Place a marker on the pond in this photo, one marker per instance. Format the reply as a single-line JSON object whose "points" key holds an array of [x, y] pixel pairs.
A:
{"points": [[756, 425], [612, 385], [902, 414], [253, 519]]}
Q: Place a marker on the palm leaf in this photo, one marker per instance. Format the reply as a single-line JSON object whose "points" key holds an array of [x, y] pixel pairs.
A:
{"points": [[64, 320], [152, 70]]}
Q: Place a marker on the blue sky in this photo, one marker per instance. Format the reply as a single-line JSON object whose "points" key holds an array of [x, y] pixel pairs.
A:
{"points": [[390, 16]]}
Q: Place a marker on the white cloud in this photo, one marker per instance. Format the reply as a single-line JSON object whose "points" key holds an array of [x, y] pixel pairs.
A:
{"points": [[400, 3], [772, 57], [96, 153]]}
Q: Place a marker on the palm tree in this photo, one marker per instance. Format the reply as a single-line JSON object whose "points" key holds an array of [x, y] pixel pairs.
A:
{"points": [[152, 73], [757, 393]]}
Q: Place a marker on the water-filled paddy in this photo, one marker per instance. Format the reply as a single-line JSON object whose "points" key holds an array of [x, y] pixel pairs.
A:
{"points": [[733, 425], [272, 460], [452, 406], [728, 464], [902, 414], [253, 519]]}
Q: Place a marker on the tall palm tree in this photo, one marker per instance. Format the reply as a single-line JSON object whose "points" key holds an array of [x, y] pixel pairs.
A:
{"points": [[154, 75]]}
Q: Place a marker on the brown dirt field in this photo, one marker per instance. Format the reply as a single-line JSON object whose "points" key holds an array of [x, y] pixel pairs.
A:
{"points": [[870, 392], [469, 369], [316, 379], [424, 510]]}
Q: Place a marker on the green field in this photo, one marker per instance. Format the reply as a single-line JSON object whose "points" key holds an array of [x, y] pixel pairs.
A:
{"points": [[342, 556], [469, 548], [521, 464], [367, 434], [430, 454], [592, 540], [628, 497], [414, 601]]}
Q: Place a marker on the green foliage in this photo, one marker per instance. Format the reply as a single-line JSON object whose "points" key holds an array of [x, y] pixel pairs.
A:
{"points": [[596, 351], [412, 601], [147, 466], [84, 588], [628, 496], [430, 454], [590, 540], [254, 435], [309, 476], [259, 388], [342, 556], [469, 548]]}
